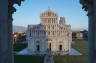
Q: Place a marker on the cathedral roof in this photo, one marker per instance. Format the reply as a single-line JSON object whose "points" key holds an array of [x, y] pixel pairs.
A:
{"points": [[47, 13]]}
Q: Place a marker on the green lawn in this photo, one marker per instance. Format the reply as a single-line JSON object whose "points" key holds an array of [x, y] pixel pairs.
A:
{"points": [[81, 46], [28, 59], [70, 59], [25, 58], [19, 47]]}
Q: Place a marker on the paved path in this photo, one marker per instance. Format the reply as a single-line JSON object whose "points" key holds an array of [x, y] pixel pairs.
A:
{"points": [[48, 58], [75, 52]]}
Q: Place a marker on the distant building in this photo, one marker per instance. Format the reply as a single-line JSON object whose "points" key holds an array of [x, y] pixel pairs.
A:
{"points": [[49, 35], [85, 34], [77, 35], [19, 37]]}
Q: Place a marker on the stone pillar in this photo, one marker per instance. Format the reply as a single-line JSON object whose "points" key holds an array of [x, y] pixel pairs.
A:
{"points": [[91, 37], [5, 41], [94, 16], [5, 34], [92, 33], [6, 29], [90, 7]]}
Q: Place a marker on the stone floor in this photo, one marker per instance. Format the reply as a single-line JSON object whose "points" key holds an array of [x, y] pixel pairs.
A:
{"points": [[26, 52], [75, 52], [48, 58]]}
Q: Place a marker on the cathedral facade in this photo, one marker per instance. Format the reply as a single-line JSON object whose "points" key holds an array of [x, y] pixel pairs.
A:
{"points": [[50, 35]]}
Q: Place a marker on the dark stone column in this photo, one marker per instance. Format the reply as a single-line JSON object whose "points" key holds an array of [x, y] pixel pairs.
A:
{"points": [[94, 7], [6, 11], [5, 34], [5, 42], [92, 32], [91, 37], [90, 7]]}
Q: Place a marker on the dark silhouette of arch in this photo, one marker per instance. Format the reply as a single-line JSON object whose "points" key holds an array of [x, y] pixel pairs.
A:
{"points": [[49, 46], [60, 47], [38, 48]]}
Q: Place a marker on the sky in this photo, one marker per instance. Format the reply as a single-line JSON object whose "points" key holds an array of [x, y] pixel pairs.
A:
{"points": [[29, 12]]}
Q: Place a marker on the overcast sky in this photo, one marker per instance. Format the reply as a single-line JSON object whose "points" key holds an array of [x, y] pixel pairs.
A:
{"points": [[29, 11]]}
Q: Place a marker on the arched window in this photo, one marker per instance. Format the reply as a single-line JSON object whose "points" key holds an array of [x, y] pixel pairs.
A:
{"points": [[53, 26], [49, 14], [49, 33], [53, 33], [49, 26], [30, 32]]}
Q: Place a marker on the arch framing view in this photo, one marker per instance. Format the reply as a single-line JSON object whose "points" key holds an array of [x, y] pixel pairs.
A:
{"points": [[6, 28]]}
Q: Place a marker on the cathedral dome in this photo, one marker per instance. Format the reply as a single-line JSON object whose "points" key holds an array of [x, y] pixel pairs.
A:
{"points": [[48, 13], [48, 17]]}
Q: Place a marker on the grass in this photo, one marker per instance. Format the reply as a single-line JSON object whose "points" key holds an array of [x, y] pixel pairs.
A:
{"points": [[19, 47], [70, 59], [81, 46], [25, 58], [28, 59]]}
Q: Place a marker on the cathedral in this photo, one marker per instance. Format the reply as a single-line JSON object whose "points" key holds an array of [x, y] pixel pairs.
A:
{"points": [[52, 34]]}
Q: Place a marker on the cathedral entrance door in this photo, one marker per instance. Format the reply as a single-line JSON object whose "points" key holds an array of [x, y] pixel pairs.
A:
{"points": [[38, 48], [49, 46], [60, 47]]}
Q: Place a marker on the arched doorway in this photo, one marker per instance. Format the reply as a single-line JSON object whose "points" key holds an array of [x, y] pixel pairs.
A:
{"points": [[49, 46], [38, 48], [60, 47]]}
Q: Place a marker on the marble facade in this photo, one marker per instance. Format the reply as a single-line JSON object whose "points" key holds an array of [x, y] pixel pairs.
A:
{"points": [[49, 35]]}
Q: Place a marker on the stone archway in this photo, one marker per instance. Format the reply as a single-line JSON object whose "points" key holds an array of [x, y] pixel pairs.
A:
{"points": [[60, 47], [49, 46], [6, 28], [37, 45], [37, 48]]}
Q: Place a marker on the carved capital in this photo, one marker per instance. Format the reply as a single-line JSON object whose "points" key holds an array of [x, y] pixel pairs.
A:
{"points": [[11, 9], [87, 4]]}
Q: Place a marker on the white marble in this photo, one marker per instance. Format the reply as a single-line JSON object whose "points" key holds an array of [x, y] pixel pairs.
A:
{"points": [[49, 34], [26, 52]]}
